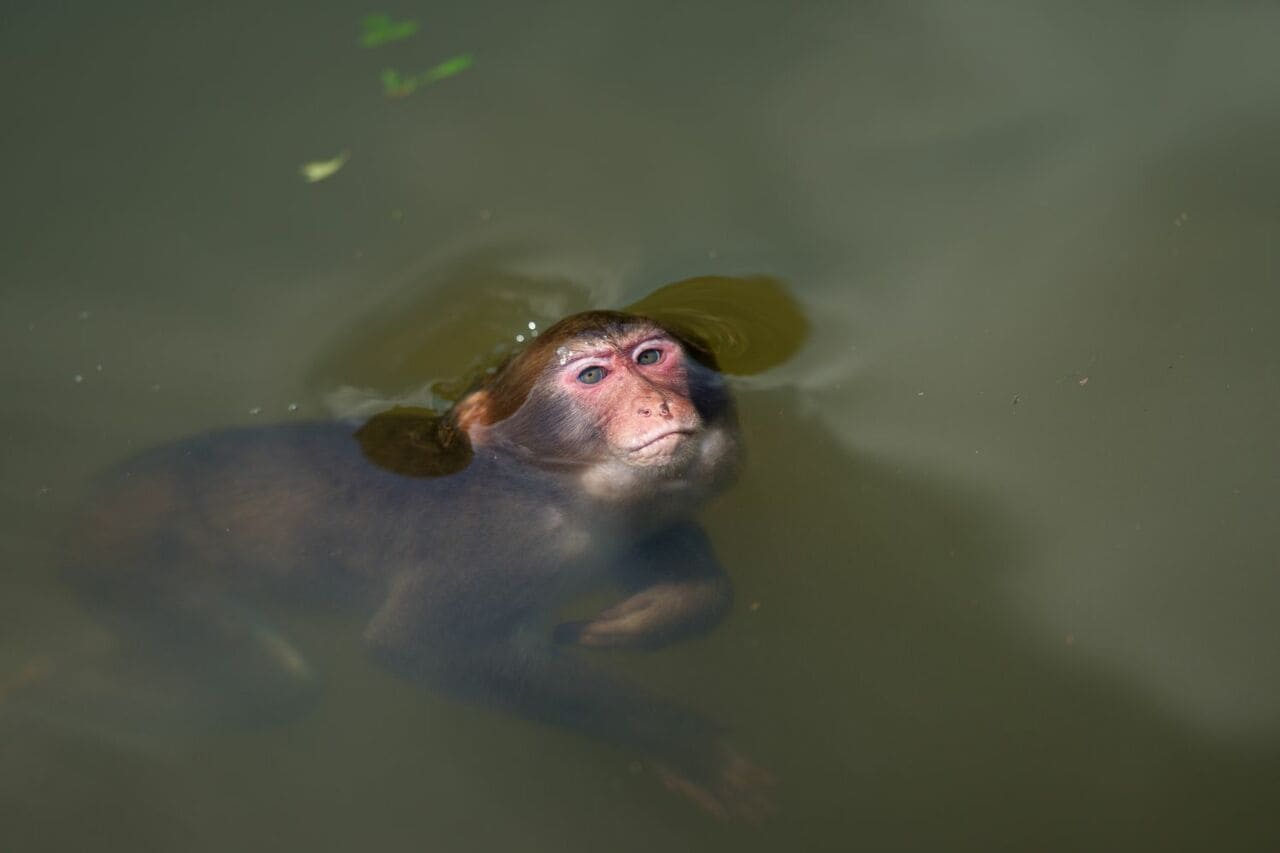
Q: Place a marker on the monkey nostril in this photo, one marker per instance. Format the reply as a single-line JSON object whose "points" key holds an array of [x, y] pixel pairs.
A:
{"points": [[664, 410], [644, 411]]}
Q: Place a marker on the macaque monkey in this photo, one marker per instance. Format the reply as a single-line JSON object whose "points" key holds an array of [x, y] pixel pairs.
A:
{"points": [[577, 465]]}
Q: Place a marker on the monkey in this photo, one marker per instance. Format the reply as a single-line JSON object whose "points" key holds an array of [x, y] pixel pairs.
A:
{"points": [[578, 465]]}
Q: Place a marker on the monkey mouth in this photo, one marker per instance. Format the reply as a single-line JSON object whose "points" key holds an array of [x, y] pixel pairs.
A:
{"points": [[662, 442]]}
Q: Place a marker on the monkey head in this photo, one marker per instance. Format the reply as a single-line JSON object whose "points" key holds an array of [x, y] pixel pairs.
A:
{"points": [[635, 409]]}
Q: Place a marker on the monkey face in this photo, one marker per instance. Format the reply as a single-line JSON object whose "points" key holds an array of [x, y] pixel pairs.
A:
{"points": [[634, 388], [616, 395]]}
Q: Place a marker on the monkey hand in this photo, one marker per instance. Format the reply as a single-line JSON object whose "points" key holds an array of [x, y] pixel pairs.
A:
{"points": [[655, 616], [735, 788]]}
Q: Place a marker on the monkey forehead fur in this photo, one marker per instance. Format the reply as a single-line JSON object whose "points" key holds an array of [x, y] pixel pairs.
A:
{"points": [[600, 330]]}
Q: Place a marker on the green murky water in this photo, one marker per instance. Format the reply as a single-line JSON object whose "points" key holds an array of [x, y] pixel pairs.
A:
{"points": [[1006, 549]]}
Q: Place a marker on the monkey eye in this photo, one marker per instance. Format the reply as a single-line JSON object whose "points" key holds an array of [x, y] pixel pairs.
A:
{"points": [[649, 356], [591, 375]]}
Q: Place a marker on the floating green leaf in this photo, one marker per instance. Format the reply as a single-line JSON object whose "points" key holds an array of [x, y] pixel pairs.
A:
{"points": [[448, 68], [380, 29], [396, 86]]}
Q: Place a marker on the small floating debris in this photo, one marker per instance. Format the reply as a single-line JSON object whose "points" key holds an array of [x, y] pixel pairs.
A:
{"points": [[379, 29], [448, 68], [318, 170], [394, 85]]}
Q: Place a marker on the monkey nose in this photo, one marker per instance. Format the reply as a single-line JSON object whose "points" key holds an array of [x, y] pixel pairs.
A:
{"points": [[646, 409]]}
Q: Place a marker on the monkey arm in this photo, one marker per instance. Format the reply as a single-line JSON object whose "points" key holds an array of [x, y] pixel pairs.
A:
{"points": [[522, 673], [509, 665], [659, 615], [679, 590]]}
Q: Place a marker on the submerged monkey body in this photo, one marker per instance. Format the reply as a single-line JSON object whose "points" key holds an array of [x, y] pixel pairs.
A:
{"points": [[296, 510], [458, 541]]}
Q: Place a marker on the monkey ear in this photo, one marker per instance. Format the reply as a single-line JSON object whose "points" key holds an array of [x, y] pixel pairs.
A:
{"points": [[414, 442], [472, 411]]}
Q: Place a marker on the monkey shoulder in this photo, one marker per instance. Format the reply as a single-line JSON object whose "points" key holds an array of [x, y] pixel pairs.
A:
{"points": [[533, 515]]}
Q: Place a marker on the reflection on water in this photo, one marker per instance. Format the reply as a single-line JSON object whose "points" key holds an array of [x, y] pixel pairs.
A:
{"points": [[1005, 546]]}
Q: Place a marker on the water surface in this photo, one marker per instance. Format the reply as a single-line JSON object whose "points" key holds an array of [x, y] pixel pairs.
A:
{"points": [[1006, 548]]}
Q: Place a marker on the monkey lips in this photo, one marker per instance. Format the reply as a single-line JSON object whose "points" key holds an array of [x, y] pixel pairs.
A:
{"points": [[662, 446]]}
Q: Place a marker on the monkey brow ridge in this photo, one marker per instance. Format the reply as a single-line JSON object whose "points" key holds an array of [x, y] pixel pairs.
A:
{"points": [[602, 345]]}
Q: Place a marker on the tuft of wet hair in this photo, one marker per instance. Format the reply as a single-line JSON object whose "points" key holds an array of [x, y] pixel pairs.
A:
{"points": [[414, 442]]}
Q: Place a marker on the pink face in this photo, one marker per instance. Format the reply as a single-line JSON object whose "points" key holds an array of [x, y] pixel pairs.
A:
{"points": [[636, 388]]}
